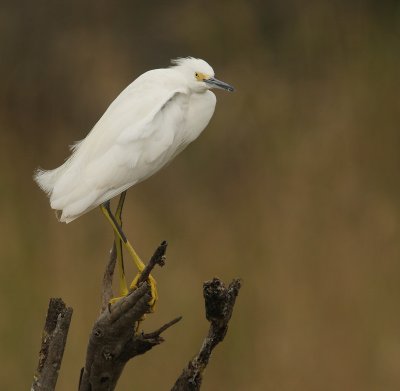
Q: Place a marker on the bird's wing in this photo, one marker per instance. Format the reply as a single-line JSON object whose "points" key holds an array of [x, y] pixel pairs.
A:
{"points": [[124, 147], [130, 115], [141, 148]]}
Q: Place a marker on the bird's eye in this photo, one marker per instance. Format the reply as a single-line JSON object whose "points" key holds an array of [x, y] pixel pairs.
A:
{"points": [[196, 74]]}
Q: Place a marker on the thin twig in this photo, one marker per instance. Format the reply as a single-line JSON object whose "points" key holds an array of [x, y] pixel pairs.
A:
{"points": [[157, 332], [107, 292], [158, 258]]}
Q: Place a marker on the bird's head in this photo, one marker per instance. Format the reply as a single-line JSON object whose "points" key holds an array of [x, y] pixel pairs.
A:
{"points": [[199, 74]]}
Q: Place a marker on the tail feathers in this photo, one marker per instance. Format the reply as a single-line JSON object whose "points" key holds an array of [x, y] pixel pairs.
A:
{"points": [[67, 200], [70, 194], [75, 204], [63, 218], [46, 179]]}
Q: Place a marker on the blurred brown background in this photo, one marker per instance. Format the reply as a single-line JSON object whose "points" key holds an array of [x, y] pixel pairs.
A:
{"points": [[294, 187]]}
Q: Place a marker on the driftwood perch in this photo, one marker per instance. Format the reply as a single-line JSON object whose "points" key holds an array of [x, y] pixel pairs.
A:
{"points": [[114, 339], [53, 343]]}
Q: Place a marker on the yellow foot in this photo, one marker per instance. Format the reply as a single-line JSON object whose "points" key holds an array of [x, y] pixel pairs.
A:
{"points": [[153, 290], [133, 286]]}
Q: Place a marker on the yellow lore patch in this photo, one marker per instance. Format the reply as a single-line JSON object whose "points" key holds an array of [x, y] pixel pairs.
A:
{"points": [[201, 76]]}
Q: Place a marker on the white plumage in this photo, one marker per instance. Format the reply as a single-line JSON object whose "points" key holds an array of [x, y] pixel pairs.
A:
{"points": [[148, 124]]}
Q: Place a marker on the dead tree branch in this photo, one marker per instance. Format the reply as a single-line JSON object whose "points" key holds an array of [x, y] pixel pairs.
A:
{"points": [[53, 343], [114, 341], [219, 303], [158, 258], [107, 292]]}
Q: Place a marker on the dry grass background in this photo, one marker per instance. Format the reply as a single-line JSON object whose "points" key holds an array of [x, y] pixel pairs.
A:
{"points": [[294, 187]]}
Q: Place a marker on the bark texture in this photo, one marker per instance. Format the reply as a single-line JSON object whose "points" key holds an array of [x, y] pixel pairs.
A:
{"points": [[219, 303], [54, 337], [115, 339]]}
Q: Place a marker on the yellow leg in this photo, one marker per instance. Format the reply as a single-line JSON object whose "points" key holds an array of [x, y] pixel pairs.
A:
{"points": [[123, 287], [117, 230], [105, 208]]}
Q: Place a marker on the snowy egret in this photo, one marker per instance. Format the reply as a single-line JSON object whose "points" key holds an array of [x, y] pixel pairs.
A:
{"points": [[147, 125]]}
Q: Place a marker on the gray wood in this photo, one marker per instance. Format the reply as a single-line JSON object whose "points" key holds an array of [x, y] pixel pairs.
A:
{"points": [[114, 339], [219, 303], [53, 343]]}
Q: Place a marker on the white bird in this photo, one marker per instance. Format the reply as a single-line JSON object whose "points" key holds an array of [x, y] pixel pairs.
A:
{"points": [[146, 126]]}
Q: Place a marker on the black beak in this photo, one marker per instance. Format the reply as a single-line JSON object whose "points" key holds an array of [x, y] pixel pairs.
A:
{"points": [[213, 82]]}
